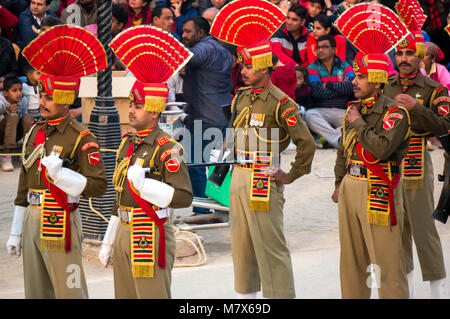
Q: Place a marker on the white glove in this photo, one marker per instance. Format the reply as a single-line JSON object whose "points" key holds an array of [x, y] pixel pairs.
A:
{"points": [[53, 164], [69, 181], [14, 244], [136, 175], [108, 241], [157, 193]]}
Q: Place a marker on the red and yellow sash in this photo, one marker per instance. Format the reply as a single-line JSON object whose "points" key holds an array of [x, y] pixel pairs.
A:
{"points": [[148, 209], [414, 162], [381, 179], [142, 247], [47, 241], [260, 184]]}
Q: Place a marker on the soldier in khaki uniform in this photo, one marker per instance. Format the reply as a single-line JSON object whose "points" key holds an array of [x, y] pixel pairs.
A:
{"points": [[265, 121], [368, 185], [428, 103], [143, 239], [61, 161]]}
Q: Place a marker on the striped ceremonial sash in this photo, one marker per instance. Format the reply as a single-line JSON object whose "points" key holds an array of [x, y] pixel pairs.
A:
{"points": [[378, 200], [53, 222], [142, 247], [413, 163], [260, 183]]}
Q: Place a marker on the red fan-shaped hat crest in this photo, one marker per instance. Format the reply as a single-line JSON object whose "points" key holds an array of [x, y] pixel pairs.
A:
{"points": [[374, 30], [249, 24], [412, 15], [153, 56], [63, 54]]}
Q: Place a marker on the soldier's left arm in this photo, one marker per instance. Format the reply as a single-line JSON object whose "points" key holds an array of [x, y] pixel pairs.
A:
{"points": [[172, 166], [384, 143], [89, 163], [289, 118], [435, 117]]}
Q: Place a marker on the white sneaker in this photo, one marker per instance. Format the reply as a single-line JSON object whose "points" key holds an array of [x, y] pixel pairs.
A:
{"points": [[7, 165]]}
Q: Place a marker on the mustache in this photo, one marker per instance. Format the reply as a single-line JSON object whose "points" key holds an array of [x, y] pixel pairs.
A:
{"points": [[404, 63]]}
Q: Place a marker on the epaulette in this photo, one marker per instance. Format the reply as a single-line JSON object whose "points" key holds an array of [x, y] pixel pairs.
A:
{"points": [[85, 133], [162, 140], [284, 100], [439, 89], [393, 109]]}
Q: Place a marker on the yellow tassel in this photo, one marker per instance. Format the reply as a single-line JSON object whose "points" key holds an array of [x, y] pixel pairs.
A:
{"points": [[63, 97], [262, 62], [420, 50], [52, 245], [155, 104], [143, 271], [259, 205], [413, 184], [379, 219], [378, 77]]}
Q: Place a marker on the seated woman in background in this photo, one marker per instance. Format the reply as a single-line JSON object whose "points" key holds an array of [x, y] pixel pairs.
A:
{"points": [[139, 13], [323, 26], [431, 68]]}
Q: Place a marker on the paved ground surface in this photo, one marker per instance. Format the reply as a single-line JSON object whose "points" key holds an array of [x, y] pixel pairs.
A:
{"points": [[310, 226]]}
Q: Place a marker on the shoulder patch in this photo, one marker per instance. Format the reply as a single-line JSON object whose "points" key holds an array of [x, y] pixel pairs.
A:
{"points": [[441, 99], [168, 152], [444, 109], [88, 145], [291, 121], [173, 165], [94, 158], [439, 89], [284, 100], [85, 132], [287, 111], [162, 140]]}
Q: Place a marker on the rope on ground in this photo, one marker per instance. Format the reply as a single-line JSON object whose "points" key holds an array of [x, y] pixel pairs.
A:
{"points": [[97, 212], [202, 257]]}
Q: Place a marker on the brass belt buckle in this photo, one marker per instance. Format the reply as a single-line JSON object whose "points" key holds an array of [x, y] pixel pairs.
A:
{"points": [[355, 170], [123, 214]]}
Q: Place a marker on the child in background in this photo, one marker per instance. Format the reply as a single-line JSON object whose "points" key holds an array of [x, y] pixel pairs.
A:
{"points": [[30, 90], [302, 89]]}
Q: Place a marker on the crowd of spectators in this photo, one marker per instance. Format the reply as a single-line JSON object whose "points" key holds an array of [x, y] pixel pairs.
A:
{"points": [[312, 61]]}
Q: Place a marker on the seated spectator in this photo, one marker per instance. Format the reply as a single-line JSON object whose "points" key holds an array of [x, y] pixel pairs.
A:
{"points": [[331, 88], [139, 13], [7, 22], [283, 4], [118, 20], [283, 76], [323, 26], [8, 61], [48, 22], [30, 90], [162, 17], [431, 68], [344, 5], [81, 13], [54, 6], [315, 8], [63, 4], [30, 21], [182, 9], [209, 14], [236, 69], [13, 110], [302, 88], [218, 4], [289, 42]]}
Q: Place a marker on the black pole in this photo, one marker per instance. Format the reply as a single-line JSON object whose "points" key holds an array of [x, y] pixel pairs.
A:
{"points": [[105, 125]]}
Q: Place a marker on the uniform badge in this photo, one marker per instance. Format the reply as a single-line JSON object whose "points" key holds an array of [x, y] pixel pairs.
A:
{"points": [[131, 97], [94, 158], [257, 119], [388, 124], [291, 121], [443, 110], [41, 87], [412, 161], [143, 243], [355, 66], [379, 193], [404, 43], [53, 218], [173, 165]]}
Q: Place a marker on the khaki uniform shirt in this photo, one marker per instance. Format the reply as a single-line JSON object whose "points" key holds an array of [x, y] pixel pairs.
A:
{"points": [[163, 156], [386, 142], [430, 116], [272, 109], [86, 155]]}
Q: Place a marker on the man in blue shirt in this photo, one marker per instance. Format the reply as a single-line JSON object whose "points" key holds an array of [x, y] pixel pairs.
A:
{"points": [[206, 86]]}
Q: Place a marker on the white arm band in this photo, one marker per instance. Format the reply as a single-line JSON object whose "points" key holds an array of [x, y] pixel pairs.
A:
{"points": [[17, 223], [70, 182], [157, 193], [111, 231]]}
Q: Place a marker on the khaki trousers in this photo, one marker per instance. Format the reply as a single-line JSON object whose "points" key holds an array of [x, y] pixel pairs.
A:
{"points": [[258, 246], [8, 128], [48, 274], [364, 244], [127, 287], [420, 226]]}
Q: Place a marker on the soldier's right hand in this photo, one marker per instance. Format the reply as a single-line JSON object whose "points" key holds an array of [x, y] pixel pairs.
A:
{"points": [[335, 195], [14, 245]]}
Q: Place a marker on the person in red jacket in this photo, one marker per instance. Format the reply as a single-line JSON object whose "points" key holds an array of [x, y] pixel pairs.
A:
{"points": [[323, 26], [283, 76], [7, 22]]}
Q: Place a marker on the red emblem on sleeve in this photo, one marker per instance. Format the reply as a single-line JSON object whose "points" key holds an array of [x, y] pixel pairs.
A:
{"points": [[443, 110], [173, 165], [94, 158], [291, 121], [387, 125]]}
